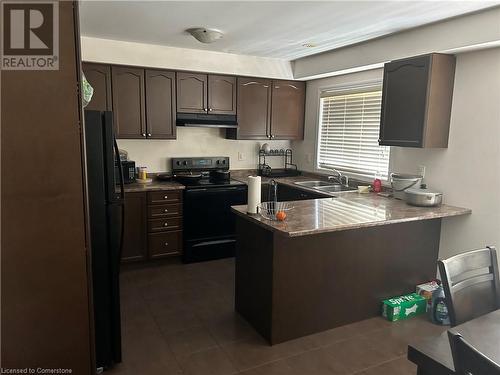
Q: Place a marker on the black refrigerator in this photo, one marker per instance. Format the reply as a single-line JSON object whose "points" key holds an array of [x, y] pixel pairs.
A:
{"points": [[106, 213]]}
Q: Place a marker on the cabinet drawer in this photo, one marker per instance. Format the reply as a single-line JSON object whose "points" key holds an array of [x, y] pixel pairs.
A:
{"points": [[167, 224], [164, 244], [165, 210], [157, 197]]}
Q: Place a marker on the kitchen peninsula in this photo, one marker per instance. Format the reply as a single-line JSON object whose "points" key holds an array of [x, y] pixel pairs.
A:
{"points": [[332, 261]]}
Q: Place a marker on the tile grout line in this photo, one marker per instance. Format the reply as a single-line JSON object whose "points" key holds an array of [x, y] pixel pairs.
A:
{"points": [[378, 364]]}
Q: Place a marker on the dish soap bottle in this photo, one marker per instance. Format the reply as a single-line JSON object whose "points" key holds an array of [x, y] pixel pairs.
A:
{"points": [[377, 184], [439, 309]]}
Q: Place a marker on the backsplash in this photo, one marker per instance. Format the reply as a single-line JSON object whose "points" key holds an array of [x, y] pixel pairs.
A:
{"points": [[156, 154]]}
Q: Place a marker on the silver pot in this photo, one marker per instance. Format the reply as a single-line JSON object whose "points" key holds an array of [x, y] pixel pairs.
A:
{"points": [[423, 197]]}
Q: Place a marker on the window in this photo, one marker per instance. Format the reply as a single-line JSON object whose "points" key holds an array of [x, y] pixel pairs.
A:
{"points": [[349, 131]]}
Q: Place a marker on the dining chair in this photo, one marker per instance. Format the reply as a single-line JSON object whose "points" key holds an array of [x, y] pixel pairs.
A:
{"points": [[468, 360], [471, 284]]}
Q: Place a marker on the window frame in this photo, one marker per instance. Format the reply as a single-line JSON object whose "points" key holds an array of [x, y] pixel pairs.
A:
{"points": [[348, 88]]}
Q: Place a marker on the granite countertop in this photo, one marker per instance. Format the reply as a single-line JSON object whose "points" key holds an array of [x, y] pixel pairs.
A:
{"points": [[347, 211], [153, 186]]}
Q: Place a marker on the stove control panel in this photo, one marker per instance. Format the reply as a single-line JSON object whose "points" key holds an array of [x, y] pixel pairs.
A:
{"points": [[200, 164]]}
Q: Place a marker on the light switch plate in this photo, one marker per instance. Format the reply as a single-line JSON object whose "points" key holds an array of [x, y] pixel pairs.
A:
{"points": [[241, 156], [421, 170]]}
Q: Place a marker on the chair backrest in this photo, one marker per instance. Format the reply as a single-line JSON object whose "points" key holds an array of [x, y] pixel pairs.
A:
{"points": [[468, 360], [471, 284]]}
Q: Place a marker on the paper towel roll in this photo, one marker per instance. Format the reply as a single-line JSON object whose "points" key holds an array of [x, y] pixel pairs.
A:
{"points": [[254, 186]]}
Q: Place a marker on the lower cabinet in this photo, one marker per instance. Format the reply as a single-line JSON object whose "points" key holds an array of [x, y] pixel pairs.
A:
{"points": [[135, 228], [164, 244], [153, 225]]}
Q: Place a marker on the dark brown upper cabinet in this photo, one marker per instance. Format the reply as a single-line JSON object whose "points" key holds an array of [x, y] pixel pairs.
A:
{"points": [[128, 102], [192, 92], [269, 109], [287, 110], [221, 95], [416, 101], [160, 104], [99, 77], [206, 93], [253, 109], [135, 245]]}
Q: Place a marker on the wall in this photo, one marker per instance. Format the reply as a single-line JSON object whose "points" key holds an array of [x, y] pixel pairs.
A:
{"points": [[156, 154], [467, 32], [468, 171], [155, 56]]}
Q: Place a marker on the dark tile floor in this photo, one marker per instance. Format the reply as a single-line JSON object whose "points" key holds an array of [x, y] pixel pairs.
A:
{"points": [[179, 319]]}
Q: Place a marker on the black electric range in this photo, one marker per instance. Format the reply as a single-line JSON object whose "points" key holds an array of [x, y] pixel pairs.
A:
{"points": [[209, 224], [209, 182]]}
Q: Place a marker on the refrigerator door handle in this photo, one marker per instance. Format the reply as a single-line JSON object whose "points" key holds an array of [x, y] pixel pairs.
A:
{"points": [[122, 197], [120, 169]]}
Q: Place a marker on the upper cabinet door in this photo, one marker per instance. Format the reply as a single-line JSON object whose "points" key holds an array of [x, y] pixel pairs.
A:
{"points": [[192, 93], [254, 109], [287, 116], [99, 77], [160, 104], [221, 95], [403, 102], [416, 101], [128, 102]]}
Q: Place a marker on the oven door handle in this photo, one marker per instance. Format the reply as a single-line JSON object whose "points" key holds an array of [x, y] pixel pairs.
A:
{"points": [[216, 190], [215, 242]]}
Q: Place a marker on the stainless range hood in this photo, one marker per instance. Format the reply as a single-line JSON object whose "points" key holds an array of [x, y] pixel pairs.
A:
{"points": [[202, 120]]}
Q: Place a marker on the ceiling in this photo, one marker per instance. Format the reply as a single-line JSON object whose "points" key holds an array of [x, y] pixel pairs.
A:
{"points": [[276, 29]]}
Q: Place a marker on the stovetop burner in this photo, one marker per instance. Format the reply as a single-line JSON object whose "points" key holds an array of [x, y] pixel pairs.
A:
{"points": [[207, 167]]}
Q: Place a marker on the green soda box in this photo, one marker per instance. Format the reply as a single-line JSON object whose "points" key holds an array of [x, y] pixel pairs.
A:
{"points": [[403, 307]]}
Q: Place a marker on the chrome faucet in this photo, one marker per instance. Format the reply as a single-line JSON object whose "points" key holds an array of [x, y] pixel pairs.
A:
{"points": [[340, 178]]}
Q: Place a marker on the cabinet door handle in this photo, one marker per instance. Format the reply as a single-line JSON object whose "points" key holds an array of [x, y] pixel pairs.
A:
{"points": [[143, 134], [165, 197], [166, 243], [165, 224], [205, 109], [210, 110], [149, 134], [165, 210]]}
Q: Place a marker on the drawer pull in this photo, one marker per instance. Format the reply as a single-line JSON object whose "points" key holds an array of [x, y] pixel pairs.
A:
{"points": [[165, 224], [165, 197], [165, 210], [166, 243]]}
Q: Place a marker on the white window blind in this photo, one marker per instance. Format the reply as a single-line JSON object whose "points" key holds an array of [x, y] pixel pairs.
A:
{"points": [[349, 132]]}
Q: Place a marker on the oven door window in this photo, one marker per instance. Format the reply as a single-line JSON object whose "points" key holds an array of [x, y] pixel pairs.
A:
{"points": [[207, 212]]}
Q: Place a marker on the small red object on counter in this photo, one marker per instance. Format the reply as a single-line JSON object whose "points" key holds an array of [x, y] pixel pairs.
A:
{"points": [[377, 185]]}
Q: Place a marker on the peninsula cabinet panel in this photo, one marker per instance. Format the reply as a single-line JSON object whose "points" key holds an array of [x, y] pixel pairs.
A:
{"points": [[135, 228], [221, 95], [287, 114], [99, 77], [253, 109], [128, 102], [160, 104], [416, 101], [192, 93]]}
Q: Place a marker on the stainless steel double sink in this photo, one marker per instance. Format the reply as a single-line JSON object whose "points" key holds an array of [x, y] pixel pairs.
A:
{"points": [[325, 186]]}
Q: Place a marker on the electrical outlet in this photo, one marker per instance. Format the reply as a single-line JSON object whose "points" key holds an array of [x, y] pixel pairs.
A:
{"points": [[241, 156], [421, 170]]}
